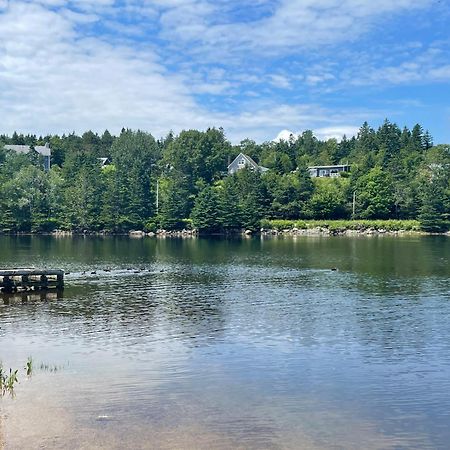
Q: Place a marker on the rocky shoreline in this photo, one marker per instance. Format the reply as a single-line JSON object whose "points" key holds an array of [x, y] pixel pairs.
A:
{"points": [[316, 231], [323, 231]]}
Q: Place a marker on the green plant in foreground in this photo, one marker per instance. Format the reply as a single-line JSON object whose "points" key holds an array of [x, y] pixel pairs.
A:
{"points": [[7, 382], [29, 366]]}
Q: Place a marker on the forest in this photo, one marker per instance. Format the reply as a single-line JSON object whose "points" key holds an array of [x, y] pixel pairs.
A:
{"points": [[181, 181]]}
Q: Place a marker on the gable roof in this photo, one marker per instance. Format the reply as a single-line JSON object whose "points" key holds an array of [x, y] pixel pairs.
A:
{"points": [[247, 158], [250, 161], [44, 150]]}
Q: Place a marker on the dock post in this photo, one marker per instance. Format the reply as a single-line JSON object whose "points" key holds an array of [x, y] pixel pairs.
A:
{"points": [[8, 285], [25, 281], [60, 281]]}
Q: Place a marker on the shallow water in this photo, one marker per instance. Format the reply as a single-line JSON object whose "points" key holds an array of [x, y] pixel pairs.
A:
{"points": [[253, 343]]}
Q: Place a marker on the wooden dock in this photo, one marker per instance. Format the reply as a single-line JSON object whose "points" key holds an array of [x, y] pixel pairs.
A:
{"points": [[23, 280]]}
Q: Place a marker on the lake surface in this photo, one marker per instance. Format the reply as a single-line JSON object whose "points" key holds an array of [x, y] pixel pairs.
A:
{"points": [[252, 343]]}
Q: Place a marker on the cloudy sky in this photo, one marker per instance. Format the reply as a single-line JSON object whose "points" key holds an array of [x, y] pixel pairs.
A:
{"points": [[254, 67]]}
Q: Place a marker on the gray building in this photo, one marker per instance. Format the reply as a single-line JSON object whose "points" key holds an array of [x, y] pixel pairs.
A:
{"points": [[241, 161], [328, 171], [43, 150]]}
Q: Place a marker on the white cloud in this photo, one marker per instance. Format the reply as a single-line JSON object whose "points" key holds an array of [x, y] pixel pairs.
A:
{"points": [[280, 81], [441, 73], [59, 78], [336, 132], [325, 133], [56, 80], [265, 120], [285, 135], [426, 65], [52, 79], [294, 25]]}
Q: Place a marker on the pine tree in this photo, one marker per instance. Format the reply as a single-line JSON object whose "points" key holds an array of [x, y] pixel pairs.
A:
{"points": [[205, 213]]}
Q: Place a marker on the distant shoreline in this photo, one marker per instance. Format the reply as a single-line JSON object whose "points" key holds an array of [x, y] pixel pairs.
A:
{"points": [[267, 227], [310, 232]]}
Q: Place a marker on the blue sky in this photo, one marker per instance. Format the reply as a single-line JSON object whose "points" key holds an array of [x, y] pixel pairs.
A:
{"points": [[253, 67]]}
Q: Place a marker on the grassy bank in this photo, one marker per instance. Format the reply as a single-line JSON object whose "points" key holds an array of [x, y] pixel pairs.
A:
{"points": [[335, 225]]}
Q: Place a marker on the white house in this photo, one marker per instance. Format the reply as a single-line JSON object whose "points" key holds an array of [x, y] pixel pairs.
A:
{"points": [[328, 171]]}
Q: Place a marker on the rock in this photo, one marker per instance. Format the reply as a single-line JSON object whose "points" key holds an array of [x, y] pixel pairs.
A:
{"points": [[248, 232], [136, 233]]}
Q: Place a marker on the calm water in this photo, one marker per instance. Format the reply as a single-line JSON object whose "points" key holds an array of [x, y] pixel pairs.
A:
{"points": [[231, 344]]}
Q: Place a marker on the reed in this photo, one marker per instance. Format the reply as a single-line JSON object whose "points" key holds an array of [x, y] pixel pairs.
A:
{"points": [[7, 381]]}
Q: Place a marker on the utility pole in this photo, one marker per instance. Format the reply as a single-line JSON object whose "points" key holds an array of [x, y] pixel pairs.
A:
{"points": [[157, 196]]}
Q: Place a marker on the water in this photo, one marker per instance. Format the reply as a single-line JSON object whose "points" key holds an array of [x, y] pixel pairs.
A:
{"points": [[253, 343]]}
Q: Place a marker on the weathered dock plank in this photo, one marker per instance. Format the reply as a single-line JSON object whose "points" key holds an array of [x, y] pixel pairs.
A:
{"points": [[18, 279], [21, 272]]}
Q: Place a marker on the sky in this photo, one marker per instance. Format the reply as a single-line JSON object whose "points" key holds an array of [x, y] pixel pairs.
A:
{"points": [[254, 67]]}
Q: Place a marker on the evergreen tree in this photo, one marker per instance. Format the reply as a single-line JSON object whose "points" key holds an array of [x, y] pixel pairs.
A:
{"points": [[205, 213], [375, 195], [230, 213], [252, 198], [135, 156], [175, 201]]}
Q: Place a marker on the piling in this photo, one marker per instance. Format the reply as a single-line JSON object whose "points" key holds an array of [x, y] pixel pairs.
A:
{"points": [[23, 280]]}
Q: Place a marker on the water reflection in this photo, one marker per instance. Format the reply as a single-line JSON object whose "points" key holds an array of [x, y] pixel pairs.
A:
{"points": [[31, 296], [229, 343]]}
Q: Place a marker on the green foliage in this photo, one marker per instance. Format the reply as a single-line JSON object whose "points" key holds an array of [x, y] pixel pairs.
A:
{"points": [[395, 173], [29, 366], [375, 194], [431, 220], [135, 155], [7, 381], [252, 198], [329, 199], [198, 155], [205, 214], [175, 201], [361, 225], [151, 226]]}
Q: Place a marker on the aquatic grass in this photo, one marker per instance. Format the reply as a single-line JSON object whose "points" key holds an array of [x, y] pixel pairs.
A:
{"points": [[7, 381], [29, 366], [50, 368]]}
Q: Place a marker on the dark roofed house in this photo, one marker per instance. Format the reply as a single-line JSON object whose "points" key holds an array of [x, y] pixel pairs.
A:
{"points": [[328, 171], [43, 150], [241, 161]]}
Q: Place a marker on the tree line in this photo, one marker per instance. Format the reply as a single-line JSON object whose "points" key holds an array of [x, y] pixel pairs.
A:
{"points": [[181, 180]]}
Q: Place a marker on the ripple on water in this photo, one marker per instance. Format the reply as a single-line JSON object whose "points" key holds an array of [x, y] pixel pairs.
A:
{"points": [[219, 344]]}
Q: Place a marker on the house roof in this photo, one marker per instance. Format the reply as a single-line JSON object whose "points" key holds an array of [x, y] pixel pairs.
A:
{"points": [[44, 150], [251, 161], [103, 161], [241, 155], [329, 167]]}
